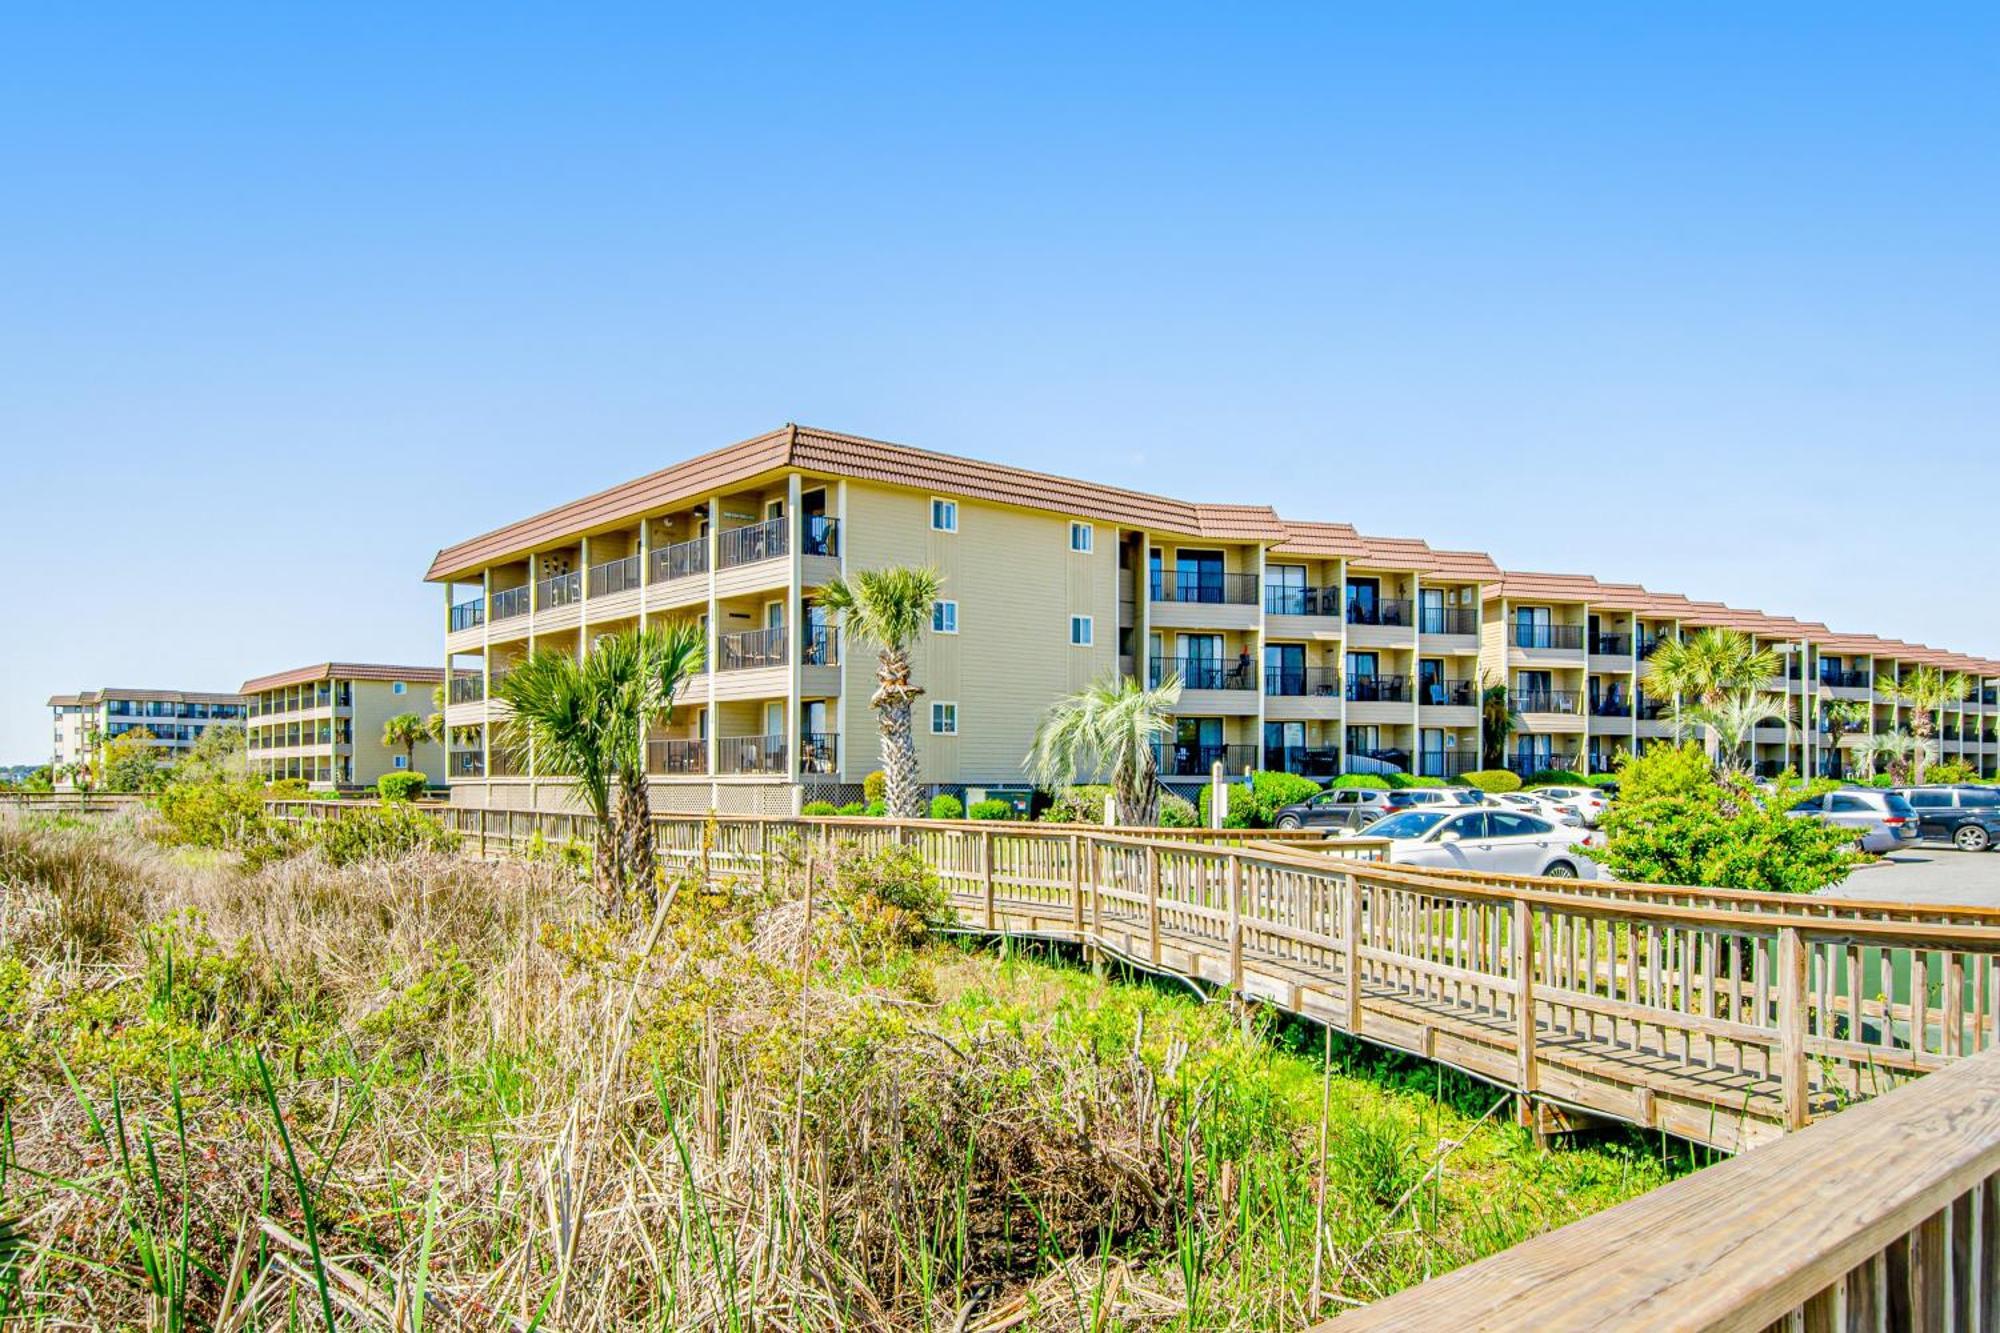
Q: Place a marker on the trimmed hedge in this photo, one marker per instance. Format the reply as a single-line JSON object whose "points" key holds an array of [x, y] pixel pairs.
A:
{"points": [[1493, 779], [1258, 805], [1178, 812], [401, 786], [819, 809], [1556, 777], [875, 787], [992, 809], [946, 806]]}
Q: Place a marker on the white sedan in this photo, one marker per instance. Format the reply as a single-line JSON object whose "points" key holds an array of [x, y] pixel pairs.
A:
{"points": [[1589, 801], [1500, 842], [1556, 812]]}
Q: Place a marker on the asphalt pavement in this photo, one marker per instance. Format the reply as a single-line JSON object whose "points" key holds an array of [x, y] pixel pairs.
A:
{"points": [[1927, 874]]}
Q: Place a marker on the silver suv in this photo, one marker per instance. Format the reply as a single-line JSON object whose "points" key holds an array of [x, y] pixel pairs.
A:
{"points": [[1883, 819]]}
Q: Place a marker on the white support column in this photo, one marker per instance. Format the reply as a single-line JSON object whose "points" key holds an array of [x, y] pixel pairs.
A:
{"points": [[714, 745], [795, 630]]}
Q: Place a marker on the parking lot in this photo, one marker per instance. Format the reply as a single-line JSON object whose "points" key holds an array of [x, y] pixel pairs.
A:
{"points": [[1928, 874]]}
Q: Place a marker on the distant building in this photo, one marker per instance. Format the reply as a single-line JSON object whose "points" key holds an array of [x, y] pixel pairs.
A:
{"points": [[323, 723], [175, 719]]}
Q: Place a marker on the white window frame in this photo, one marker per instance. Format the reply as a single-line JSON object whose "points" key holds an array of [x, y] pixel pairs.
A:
{"points": [[402, 761], [1087, 532], [948, 510], [944, 616], [938, 707], [1088, 624], [399, 688]]}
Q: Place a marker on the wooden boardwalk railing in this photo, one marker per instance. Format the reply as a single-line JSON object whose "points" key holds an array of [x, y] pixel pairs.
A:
{"points": [[1886, 1216], [1723, 1018]]}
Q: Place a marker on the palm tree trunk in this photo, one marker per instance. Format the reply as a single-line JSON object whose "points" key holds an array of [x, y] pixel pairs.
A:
{"points": [[635, 837], [893, 702]]}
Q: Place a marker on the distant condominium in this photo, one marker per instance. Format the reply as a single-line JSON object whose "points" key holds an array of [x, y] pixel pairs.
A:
{"points": [[171, 722], [323, 724], [1304, 646]]}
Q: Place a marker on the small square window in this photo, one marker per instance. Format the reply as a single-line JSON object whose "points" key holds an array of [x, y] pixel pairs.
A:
{"points": [[944, 515], [944, 617], [399, 688], [402, 761], [944, 719], [1082, 630], [1081, 538]]}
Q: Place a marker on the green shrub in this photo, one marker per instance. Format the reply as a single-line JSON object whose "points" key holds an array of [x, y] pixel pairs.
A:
{"points": [[215, 814], [875, 787], [1603, 779], [1078, 805], [946, 806], [1178, 812], [287, 789], [1257, 805], [876, 810], [819, 809], [1556, 777], [381, 833], [992, 809], [1493, 779], [1950, 771], [1424, 780], [1680, 821], [401, 786], [853, 808]]}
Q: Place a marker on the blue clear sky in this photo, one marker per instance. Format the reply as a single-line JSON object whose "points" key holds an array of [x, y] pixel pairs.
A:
{"points": [[1702, 298]]}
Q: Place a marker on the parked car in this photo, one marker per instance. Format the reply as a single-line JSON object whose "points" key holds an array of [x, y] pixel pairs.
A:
{"points": [[1335, 809], [1534, 803], [1882, 820], [1503, 842], [1408, 798], [1967, 817], [1590, 802]]}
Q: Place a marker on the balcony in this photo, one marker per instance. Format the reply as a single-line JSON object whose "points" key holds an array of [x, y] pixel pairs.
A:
{"points": [[1524, 765], [1447, 620], [1611, 645], [682, 560], [1301, 682], [1610, 705], [468, 689], [559, 590], [466, 764], [1306, 761], [511, 602], [1378, 689], [1447, 763], [1845, 680], [751, 756], [1204, 587], [468, 615], [820, 536], [1547, 701], [616, 576], [1179, 760], [1647, 647], [676, 758], [1301, 601], [1386, 611], [819, 753], [1652, 710], [1545, 638], [751, 650], [1444, 693], [1200, 673], [752, 543]]}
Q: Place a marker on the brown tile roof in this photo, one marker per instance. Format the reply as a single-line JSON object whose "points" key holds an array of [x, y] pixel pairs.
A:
{"points": [[1342, 541], [421, 675], [811, 450], [147, 696]]}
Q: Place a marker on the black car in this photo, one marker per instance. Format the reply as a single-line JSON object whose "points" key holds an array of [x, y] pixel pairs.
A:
{"points": [[1967, 817]]}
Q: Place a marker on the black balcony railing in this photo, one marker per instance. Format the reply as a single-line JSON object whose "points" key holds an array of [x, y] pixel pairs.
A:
{"points": [[751, 543], [677, 756], [1179, 760], [1307, 682], [822, 646], [469, 615], [1447, 620], [1612, 645], [467, 764], [819, 753], [1652, 710], [1201, 673], [1846, 680], [751, 649], [682, 560], [1567, 637], [1611, 705], [1546, 701], [511, 602], [1442, 693], [1383, 611], [1209, 587], [1379, 689], [821, 536], [754, 755], [468, 689], [1378, 761], [615, 576], [559, 590], [1307, 761], [1446, 763], [1302, 601], [1647, 647], [1524, 764]]}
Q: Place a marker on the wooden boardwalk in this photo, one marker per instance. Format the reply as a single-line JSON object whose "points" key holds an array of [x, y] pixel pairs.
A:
{"points": [[1723, 1018]]}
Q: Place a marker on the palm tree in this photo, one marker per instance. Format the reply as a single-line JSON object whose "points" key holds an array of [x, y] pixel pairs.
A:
{"points": [[1702, 670], [1845, 716], [1896, 750], [1498, 720], [1110, 726], [1733, 721], [889, 609], [409, 730], [1924, 690], [588, 721]]}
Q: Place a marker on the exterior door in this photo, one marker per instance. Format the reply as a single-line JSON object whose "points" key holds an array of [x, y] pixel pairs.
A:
{"points": [[1284, 746], [1285, 590], [1361, 682], [1201, 661], [1284, 668], [1364, 601], [1430, 610]]}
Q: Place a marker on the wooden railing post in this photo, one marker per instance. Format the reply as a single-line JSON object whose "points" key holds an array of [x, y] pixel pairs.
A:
{"points": [[1350, 939], [482, 831], [1235, 923], [1792, 1026], [1076, 885], [986, 872], [764, 856], [1524, 996], [1153, 904]]}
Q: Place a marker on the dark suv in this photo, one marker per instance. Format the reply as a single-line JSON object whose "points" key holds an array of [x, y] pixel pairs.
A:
{"points": [[1967, 817]]}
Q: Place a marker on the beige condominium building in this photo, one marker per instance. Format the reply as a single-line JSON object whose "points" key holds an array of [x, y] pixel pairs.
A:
{"points": [[323, 723], [173, 719], [1301, 645]]}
